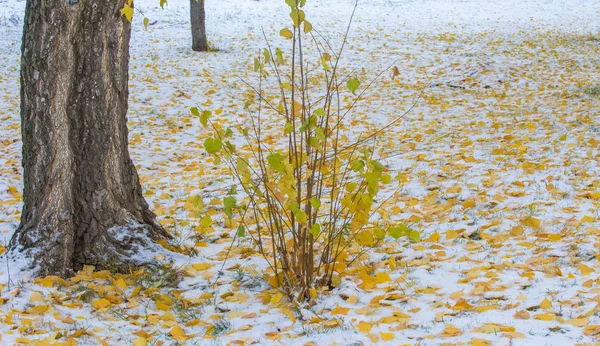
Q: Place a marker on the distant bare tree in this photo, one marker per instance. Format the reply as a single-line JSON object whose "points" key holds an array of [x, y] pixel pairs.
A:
{"points": [[198, 19]]}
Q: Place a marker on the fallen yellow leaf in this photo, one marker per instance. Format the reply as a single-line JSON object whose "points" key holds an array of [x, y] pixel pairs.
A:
{"points": [[273, 336], [522, 315], [202, 266], [450, 332], [352, 300], [177, 333], [139, 342], [364, 327], [592, 330], [100, 304], [578, 322], [585, 270], [546, 304], [517, 231], [513, 335], [545, 317], [387, 336], [531, 222], [381, 278], [338, 310]]}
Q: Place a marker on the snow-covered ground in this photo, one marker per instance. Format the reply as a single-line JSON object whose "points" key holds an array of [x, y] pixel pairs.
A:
{"points": [[500, 159]]}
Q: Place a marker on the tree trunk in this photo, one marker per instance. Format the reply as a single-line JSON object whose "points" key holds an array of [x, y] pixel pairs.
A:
{"points": [[199, 43], [83, 202]]}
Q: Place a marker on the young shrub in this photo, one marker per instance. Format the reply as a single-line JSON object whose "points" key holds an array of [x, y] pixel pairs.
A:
{"points": [[310, 193]]}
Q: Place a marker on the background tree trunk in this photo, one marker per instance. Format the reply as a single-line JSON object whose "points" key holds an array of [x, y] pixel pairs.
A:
{"points": [[198, 16], [83, 202]]}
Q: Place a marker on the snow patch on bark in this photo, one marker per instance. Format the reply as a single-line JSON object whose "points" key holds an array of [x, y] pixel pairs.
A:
{"points": [[141, 248]]}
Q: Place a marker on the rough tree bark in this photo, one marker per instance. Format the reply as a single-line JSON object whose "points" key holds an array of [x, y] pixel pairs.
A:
{"points": [[199, 43], [83, 202]]}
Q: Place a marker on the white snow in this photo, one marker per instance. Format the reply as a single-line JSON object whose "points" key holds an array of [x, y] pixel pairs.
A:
{"points": [[540, 53]]}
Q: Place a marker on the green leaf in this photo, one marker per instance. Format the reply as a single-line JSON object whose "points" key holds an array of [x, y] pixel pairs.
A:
{"points": [[315, 202], [287, 33], [320, 112], [162, 3], [289, 128], [228, 205], [267, 55], [386, 179], [301, 216], [146, 22], [379, 233], [241, 231], [351, 187], [353, 85], [315, 230], [275, 161], [307, 27], [206, 221], [194, 111], [372, 179], [294, 207], [197, 202], [414, 235], [256, 64], [291, 3], [324, 63], [204, 117], [403, 229], [395, 232], [358, 165], [378, 166], [320, 133], [243, 167], [213, 145], [230, 146], [297, 17], [279, 55], [232, 190]]}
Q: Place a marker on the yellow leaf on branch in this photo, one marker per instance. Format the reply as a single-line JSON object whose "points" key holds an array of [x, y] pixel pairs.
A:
{"points": [[127, 11], [287, 33]]}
